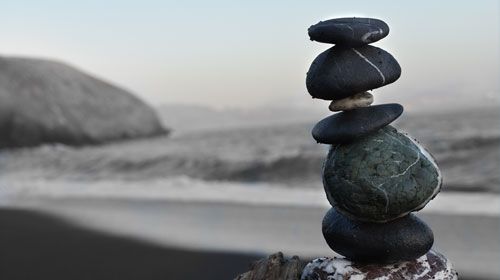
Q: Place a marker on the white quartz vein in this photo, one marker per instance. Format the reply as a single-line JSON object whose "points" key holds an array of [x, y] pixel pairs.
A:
{"points": [[385, 195], [407, 168], [364, 38], [369, 62]]}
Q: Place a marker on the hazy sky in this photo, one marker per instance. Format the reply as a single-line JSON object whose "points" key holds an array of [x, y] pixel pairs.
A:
{"points": [[251, 53]]}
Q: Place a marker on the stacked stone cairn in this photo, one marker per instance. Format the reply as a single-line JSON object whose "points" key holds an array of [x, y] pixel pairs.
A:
{"points": [[374, 176]]}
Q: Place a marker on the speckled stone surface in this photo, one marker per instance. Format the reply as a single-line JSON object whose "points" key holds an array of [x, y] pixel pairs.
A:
{"points": [[430, 266], [353, 32], [403, 239], [381, 176], [362, 99], [350, 125], [340, 71]]}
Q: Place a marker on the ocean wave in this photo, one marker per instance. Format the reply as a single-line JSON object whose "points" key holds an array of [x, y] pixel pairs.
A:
{"points": [[475, 142], [300, 167], [59, 162], [277, 156]]}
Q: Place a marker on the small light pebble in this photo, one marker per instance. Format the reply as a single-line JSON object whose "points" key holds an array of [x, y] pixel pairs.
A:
{"points": [[362, 99]]}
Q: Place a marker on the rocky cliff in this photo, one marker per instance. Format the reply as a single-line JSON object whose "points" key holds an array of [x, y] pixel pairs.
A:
{"points": [[43, 101]]}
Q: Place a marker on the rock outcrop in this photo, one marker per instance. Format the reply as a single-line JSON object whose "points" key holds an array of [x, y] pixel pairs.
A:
{"points": [[43, 101]]}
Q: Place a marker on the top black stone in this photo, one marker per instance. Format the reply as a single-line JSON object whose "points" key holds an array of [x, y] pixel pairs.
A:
{"points": [[352, 32]]}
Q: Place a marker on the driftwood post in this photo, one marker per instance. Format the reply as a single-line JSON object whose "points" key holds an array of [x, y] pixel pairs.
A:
{"points": [[274, 267]]}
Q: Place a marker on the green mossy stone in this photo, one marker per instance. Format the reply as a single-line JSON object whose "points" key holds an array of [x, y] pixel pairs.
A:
{"points": [[380, 177]]}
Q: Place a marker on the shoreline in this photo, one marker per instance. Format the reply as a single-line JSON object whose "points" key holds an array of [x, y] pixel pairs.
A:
{"points": [[188, 190]]}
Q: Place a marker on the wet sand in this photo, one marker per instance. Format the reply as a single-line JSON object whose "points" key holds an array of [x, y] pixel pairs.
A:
{"points": [[35, 243], [37, 246]]}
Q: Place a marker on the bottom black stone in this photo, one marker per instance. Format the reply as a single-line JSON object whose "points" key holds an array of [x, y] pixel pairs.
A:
{"points": [[429, 266], [403, 239]]}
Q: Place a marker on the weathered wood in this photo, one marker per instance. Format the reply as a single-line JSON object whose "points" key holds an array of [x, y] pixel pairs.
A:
{"points": [[275, 267]]}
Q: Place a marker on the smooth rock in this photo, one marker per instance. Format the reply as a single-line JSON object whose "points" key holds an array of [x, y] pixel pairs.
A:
{"points": [[340, 72], [352, 32], [359, 100], [43, 101], [350, 125], [432, 265], [380, 177], [403, 239]]}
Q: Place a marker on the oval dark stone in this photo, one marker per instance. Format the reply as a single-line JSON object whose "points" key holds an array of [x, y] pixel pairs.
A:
{"points": [[340, 72], [380, 177], [404, 239], [352, 32], [349, 125]]}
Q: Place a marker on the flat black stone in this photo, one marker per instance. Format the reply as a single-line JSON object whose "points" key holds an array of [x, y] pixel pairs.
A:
{"points": [[349, 125], [404, 239], [340, 72], [352, 32]]}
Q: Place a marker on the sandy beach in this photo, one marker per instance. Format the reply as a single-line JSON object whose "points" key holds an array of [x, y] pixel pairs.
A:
{"points": [[125, 230], [38, 246]]}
